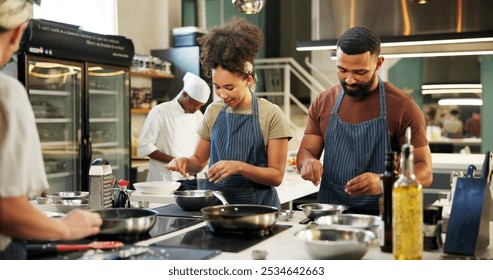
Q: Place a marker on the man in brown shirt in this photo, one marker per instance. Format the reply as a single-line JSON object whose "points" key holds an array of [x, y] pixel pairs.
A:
{"points": [[355, 123], [473, 125]]}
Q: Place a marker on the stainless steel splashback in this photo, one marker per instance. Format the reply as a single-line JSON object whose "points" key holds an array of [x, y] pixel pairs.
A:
{"points": [[400, 17]]}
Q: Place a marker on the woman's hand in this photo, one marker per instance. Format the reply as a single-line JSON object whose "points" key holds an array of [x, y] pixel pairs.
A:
{"points": [[179, 165], [223, 169]]}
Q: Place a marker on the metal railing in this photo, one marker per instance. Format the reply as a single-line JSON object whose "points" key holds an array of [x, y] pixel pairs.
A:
{"points": [[275, 77]]}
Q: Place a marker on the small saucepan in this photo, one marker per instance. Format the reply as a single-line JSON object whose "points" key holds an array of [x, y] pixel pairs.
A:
{"points": [[194, 200], [240, 218]]}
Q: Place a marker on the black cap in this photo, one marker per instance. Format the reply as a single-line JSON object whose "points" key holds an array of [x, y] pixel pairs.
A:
{"points": [[431, 215]]}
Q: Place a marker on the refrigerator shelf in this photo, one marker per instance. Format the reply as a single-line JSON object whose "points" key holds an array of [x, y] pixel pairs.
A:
{"points": [[103, 120], [53, 120], [57, 143], [107, 144], [58, 175], [49, 92], [102, 92]]}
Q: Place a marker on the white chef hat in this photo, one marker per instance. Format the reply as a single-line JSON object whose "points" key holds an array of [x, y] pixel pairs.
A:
{"points": [[196, 88], [13, 13]]}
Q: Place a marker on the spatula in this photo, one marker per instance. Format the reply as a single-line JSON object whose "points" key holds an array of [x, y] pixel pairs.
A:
{"points": [[53, 247]]}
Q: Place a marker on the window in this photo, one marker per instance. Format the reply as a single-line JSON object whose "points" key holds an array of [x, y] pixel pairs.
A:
{"points": [[98, 16]]}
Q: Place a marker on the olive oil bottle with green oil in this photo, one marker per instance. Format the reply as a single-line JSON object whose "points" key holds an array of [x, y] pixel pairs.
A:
{"points": [[407, 208]]}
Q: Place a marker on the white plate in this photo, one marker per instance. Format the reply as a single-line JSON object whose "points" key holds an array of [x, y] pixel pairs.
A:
{"points": [[157, 187]]}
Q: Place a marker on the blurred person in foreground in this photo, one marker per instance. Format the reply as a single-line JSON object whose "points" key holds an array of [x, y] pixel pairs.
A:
{"points": [[245, 137], [354, 124], [170, 129], [22, 170]]}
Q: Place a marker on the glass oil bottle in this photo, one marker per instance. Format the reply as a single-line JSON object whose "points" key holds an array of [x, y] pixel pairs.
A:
{"points": [[387, 180], [407, 208]]}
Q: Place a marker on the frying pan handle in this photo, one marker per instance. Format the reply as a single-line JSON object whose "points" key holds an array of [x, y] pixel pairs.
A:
{"points": [[41, 247], [50, 247], [221, 197]]}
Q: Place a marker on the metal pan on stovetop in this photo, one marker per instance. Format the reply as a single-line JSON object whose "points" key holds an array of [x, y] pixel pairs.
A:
{"points": [[126, 221], [240, 218], [194, 200]]}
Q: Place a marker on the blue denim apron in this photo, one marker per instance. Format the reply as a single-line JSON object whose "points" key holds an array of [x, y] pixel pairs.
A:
{"points": [[350, 150], [238, 137], [15, 251]]}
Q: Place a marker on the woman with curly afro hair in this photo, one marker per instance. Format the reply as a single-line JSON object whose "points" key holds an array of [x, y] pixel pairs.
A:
{"points": [[243, 138]]}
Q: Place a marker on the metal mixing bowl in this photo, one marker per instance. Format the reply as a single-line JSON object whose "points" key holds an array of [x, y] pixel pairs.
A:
{"points": [[358, 221], [336, 243], [68, 205], [57, 196], [314, 210], [194, 200]]}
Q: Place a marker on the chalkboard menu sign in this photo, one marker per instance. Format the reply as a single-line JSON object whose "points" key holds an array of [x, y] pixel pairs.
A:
{"points": [[59, 40]]}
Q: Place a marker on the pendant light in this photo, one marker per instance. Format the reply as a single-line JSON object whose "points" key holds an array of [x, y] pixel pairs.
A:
{"points": [[420, 1], [248, 6]]}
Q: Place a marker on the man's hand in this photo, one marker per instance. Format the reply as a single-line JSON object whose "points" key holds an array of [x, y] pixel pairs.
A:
{"points": [[364, 184], [312, 170]]}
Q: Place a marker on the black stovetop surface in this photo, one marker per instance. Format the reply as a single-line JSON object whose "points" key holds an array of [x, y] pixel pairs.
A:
{"points": [[163, 225], [203, 238]]}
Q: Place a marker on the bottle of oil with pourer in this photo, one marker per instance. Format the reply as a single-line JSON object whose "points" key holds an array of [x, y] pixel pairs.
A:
{"points": [[407, 208], [387, 180]]}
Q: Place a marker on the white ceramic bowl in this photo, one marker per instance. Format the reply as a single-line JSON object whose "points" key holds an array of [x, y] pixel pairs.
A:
{"points": [[336, 243], [157, 187]]}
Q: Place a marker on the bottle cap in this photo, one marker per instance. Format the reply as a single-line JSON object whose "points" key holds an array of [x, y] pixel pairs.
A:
{"points": [[123, 183]]}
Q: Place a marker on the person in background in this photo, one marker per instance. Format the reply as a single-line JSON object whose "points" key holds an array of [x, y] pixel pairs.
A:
{"points": [[452, 126], [473, 125], [22, 170], [245, 137], [170, 129], [355, 123]]}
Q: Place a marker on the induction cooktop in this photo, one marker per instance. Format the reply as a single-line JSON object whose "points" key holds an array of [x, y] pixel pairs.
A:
{"points": [[203, 238]]}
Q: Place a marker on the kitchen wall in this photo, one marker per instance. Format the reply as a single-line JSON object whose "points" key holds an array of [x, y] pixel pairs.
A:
{"points": [[149, 26]]}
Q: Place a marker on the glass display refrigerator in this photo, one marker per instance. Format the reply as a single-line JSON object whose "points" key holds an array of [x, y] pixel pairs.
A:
{"points": [[79, 87]]}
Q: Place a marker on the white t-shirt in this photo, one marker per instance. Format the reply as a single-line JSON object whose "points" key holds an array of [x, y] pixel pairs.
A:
{"points": [[22, 171], [170, 130]]}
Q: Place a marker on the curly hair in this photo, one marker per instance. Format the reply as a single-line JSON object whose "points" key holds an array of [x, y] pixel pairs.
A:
{"points": [[232, 46]]}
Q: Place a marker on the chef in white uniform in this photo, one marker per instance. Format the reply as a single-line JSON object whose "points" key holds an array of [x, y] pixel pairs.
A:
{"points": [[170, 129]]}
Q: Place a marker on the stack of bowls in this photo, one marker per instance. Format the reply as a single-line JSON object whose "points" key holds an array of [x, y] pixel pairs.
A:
{"points": [[340, 236], [68, 201]]}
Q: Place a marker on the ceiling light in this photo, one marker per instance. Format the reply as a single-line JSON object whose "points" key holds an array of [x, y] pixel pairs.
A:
{"points": [[248, 6], [452, 88], [460, 102], [420, 1], [428, 45]]}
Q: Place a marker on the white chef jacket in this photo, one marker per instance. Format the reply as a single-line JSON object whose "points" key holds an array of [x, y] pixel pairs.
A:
{"points": [[22, 171], [170, 130]]}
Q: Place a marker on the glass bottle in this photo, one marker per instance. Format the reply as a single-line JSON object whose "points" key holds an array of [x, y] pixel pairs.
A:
{"points": [[407, 208], [123, 200], [387, 179]]}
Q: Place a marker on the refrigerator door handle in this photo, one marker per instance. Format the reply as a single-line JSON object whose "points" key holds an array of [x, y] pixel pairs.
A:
{"points": [[87, 151]]}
